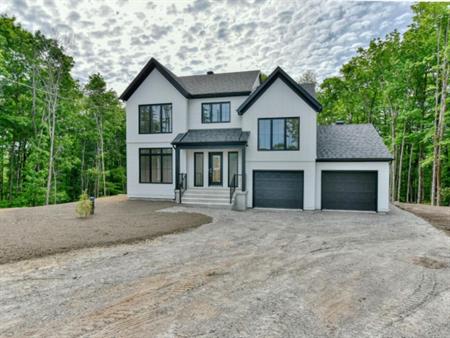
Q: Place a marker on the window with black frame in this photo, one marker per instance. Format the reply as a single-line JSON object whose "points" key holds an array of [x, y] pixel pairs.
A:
{"points": [[216, 112], [155, 118], [279, 133], [155, 165]]}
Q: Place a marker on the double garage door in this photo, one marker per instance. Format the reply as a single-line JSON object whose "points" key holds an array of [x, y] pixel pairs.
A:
{"points": [[341, 190]]}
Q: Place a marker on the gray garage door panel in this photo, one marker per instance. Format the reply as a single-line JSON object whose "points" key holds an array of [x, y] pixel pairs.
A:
{"points": [[349, 190], [278, 189]]}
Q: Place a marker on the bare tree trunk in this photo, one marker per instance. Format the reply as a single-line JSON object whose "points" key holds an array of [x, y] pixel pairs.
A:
{"points": [[436, 115], [52, 150], [394, 151], [441, 118], [102, 155], [400, 164], [420, 176], [82, 167], [408, 183]]}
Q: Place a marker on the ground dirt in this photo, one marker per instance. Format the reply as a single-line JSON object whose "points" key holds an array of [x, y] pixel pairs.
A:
{"points": [[248, 274], [437, 216], [40, 231]]}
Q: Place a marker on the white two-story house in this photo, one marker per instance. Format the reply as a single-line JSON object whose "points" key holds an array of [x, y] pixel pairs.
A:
{"points": [[228, 139]]}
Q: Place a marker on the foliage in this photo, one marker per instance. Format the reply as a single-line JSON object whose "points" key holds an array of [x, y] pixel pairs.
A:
{"points": [[84, 206], [57, 138], [397, 84]]}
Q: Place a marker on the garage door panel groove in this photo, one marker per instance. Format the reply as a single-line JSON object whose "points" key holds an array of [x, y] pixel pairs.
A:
{"points": [[278, 189], [349, 190]]}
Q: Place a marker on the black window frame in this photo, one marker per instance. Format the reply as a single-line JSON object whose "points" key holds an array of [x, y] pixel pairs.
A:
{"points": [[161, 156], [150, 118], [229, 167], [210, 112], [285, 135]]}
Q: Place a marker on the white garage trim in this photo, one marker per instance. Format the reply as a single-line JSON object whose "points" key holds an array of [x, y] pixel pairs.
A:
{"points": [[382, 168]]}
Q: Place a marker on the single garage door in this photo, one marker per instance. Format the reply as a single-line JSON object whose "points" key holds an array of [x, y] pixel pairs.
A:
{"points": [[278, 189], [349, 190]]}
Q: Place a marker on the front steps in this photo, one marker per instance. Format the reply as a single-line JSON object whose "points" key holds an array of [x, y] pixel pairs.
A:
{"points": [[210, 196]]}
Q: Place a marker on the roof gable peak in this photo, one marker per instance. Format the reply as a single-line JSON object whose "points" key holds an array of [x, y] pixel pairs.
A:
{"points": [[279, 73]]}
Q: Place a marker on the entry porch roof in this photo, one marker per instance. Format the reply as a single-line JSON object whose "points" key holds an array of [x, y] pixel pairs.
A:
{"points": [[211, 138]]}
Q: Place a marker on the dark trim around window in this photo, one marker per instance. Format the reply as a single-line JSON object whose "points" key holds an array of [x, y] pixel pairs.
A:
{"points": [[198, 184], [237, 165], [285, 136], [210, 114], [161, 156], [150, 118]]}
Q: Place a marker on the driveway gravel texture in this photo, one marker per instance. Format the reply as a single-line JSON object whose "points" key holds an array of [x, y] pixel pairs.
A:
{"points": [[247, 274]]}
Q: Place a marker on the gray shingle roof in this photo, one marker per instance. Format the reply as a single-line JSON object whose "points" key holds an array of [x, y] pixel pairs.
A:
{"points": [[219, 83], [352, 142], [212, 136], [214, 85]]}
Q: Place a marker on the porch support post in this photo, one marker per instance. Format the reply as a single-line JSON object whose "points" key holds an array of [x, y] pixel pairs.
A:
{"points": [[177, 168], [243, 168]]}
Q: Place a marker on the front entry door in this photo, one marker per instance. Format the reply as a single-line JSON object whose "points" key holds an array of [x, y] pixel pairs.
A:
{"points": [[215, 168]]}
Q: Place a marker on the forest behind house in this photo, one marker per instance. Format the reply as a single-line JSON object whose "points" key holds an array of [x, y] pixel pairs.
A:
{"points": [[400, 84], [59, 138]]}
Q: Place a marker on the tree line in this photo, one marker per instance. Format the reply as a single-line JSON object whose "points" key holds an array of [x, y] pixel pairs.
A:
{"points": [[58, 138], [400, 84]]}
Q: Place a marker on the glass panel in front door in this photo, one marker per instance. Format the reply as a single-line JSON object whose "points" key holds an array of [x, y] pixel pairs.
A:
{"points": [[216, 169]]}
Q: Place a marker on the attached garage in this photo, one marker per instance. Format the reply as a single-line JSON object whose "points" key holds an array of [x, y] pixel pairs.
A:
{"points": [[349, 190], [278, 189]]}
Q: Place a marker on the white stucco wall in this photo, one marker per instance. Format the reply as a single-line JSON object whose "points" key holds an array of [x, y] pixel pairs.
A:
{"points": [[383, 178], [281, 101], [195, 113], [154, 89]]}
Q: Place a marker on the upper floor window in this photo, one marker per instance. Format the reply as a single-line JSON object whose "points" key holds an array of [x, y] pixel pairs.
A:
{"points": [[155, 118], [279, 133], [216, 112]]}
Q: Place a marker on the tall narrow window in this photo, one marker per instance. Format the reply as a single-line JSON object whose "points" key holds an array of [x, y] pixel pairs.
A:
{"points": [[217, 112], [264, 134], [198, 169], [155, 118], [279, 133], [155, 165], [232, 168]]}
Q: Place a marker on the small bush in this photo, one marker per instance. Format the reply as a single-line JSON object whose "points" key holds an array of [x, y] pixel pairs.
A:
{"points": [[84, 206]]}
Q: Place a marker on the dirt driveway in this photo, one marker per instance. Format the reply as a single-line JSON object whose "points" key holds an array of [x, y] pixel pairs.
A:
{"points": [[40, 231], [438, 216], [253, 274]]}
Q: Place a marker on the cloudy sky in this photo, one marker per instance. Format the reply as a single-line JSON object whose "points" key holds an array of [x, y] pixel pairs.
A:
{"points": [[117, 37]]}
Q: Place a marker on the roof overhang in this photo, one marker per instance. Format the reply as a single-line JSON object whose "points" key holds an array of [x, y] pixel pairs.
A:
{"points": [[201, 145], [148, 68], [279, 73], [154, 64]]}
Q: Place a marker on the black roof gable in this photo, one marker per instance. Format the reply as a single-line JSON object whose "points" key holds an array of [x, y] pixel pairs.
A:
{"points": [[148, 68], [198, 86], [279, 73]]}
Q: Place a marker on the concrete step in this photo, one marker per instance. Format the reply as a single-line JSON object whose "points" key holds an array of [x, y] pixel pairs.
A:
{"points": [[212, 197], [205, 199], [207, 203], [206, 195]]}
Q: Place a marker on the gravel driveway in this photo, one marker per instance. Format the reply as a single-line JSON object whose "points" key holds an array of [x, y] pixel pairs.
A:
{"points": [[252, 274]]}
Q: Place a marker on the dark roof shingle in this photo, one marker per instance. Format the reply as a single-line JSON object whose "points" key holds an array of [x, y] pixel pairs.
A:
{"points": [[213, 85], [212, 136], [220, 83], [350, 142]]}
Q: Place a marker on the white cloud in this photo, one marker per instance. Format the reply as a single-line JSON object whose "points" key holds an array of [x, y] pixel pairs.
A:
{"points": [[118, 37]]}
